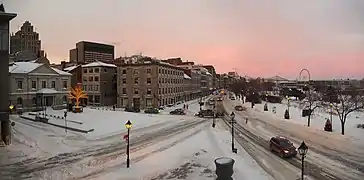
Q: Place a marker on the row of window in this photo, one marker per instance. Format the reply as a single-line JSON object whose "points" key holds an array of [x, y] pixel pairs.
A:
{"points": [[93, 70], [171, 72], [136, 71], [136, 81], [91, 87], [160, 90], [91, 78], [43, 85]]}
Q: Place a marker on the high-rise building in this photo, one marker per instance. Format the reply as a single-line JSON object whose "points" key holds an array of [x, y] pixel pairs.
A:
{"points": [[26, 39], [87, 52]]}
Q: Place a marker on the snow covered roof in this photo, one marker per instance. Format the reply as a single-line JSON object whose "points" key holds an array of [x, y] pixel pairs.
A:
{"points": [[23, 67], [71, 68], [186, 76], [61, 72], [208, 73], [99, 64], [28, 67], [277, 78], [47, 91]]}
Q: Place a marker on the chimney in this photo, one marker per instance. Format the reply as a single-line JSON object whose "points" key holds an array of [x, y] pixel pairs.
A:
{"points": [[63, 65]]}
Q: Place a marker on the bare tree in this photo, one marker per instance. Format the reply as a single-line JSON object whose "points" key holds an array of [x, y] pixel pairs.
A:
{"points": [[310, 103], [349, 101]]}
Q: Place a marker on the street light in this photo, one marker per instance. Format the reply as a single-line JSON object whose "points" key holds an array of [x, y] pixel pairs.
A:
{"points": [[302, 150], [128, 126], [331, 106], [213, 118], [65, 120], [288, 101], [232, 115]]}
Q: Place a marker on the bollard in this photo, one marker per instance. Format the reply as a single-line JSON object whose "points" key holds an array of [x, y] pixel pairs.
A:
{"points": [[224, 168]]}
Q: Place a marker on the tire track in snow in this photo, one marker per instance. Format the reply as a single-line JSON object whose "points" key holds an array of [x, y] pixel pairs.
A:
{"points": [[63, 160]]}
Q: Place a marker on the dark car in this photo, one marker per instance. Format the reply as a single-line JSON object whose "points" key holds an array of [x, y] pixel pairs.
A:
{"points": [[282, 146], [132, 109], [170, 105], [161, 108], [178, 112], [151, 111], [239, 108]]}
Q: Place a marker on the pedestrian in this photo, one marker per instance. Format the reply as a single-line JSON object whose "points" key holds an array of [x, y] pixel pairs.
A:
{"points": [[187, 106], [184, 106], [113, 107], [246, 121]]}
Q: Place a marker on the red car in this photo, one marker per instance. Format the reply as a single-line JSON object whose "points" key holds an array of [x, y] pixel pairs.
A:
{"points": [[282, 146]]}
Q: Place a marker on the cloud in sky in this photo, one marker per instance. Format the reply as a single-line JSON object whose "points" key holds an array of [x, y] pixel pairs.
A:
{"points": [[258, 37]]}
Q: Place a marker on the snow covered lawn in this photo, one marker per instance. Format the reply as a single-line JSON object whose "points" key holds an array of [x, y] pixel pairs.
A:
{"points": [[317, 120], [191, 159]]}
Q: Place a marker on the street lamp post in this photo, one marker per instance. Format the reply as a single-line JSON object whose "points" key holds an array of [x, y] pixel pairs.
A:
{"points": [[232, 115], [331, 106], [65, 120], [213, 118], [128, 126], [288, 101], [302, 151]]}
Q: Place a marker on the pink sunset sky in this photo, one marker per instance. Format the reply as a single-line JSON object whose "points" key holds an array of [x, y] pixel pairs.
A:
{"points": [[257, 37]]}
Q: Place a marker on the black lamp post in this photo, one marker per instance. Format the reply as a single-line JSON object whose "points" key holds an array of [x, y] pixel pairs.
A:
{"points": [[232, 115], [331, 107], [302, 150], [128, 126], [213, 118], [65, 120]]}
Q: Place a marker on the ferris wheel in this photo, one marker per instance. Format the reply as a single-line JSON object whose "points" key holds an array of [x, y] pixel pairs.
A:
{"points": [[304, 75]]}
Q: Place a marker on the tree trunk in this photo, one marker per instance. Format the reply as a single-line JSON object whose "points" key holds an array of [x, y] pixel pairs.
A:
{"points": [[309, 120], [342, 127]]}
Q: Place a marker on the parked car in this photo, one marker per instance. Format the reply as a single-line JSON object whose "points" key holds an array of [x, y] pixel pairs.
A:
{"points": [[282, 146], [239, 108], [161, 107], [219, 99], [170, 105], [132, 109], [232, 98], [178, 112], [151, 111]]}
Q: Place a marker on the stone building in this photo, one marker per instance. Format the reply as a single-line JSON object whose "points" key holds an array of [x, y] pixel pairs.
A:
{"points": [[33, 84], [145, 82], [25, 39], [99, 81]]}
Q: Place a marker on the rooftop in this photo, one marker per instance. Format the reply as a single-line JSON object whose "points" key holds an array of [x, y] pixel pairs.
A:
{"points": [[27, 67], [99, 64]]}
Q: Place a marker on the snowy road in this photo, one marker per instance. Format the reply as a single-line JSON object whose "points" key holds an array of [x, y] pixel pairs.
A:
{"points": [[321, 165], [97, 154]]}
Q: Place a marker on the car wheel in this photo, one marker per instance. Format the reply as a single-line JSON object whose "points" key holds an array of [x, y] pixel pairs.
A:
{"points": [[281, 154], [271, 148]]}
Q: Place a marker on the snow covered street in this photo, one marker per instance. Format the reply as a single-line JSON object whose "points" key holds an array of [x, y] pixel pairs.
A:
{"points": [[162, 146], [330, 156]]}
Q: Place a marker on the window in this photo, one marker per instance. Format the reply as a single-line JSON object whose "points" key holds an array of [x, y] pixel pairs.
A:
{"points": [[90, 78], [65, 84], [44, 84], [97, 70], [97, 99], [20, 84], [96, 88], [124, 90], [34, 84], [64, 99], [84, 70], [96, 78], [124, 71], [124, 80], [149, 80], [149, 91], [149, 70], [90, 87], [34, 100], [136, 81], [84, 88], [136, 71], [19, 101], [105, 70], [53, 84], [136, 91], [90, 70]]}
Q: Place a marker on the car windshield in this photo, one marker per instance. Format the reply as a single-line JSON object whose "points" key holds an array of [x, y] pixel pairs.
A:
{"points": [[285, 143]]}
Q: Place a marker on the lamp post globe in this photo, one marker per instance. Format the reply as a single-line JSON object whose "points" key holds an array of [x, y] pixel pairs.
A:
{"points": [[303, 149], [128, 125]]}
